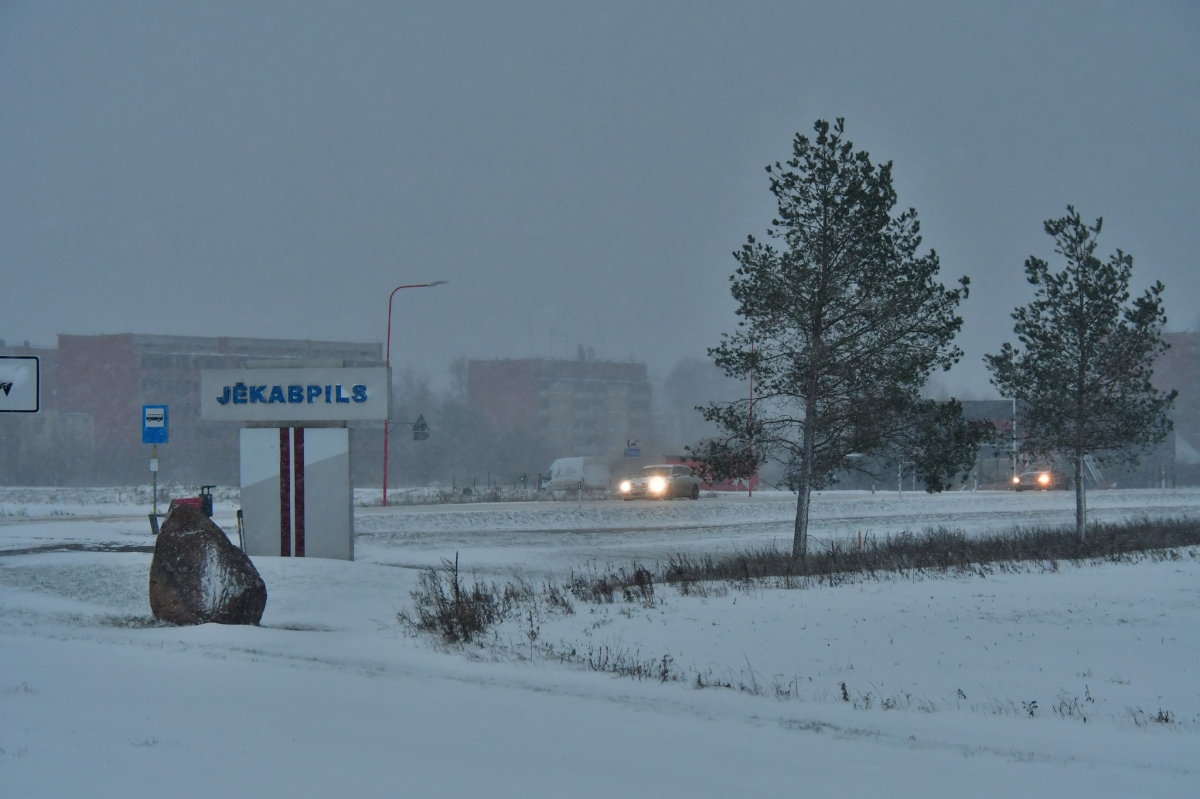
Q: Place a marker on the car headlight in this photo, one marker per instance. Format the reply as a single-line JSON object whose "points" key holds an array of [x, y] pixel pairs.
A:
{"points": [[1044, 479], [626, 486], [658, 485], [1016, 480]]}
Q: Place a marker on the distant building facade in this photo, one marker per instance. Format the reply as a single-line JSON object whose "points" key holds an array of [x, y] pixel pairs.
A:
{"points": [[579, 407], [93, 388], [1179, 369]]}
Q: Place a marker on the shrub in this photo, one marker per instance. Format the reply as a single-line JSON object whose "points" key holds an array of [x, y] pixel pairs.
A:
{"points": [[446, 607], [459, 614]]}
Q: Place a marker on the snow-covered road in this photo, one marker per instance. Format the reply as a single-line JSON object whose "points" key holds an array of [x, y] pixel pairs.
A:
{"points": [[553, 537]]}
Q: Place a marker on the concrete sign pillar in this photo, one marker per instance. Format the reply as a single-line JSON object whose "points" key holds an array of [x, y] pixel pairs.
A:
{"points": [[296, 495]]}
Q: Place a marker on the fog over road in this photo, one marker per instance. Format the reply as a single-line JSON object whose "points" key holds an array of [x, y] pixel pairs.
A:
{"points": [[552, 537]]}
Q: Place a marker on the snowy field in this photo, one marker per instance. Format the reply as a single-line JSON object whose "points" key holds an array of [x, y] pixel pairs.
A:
{"points": [[1048, 680]]}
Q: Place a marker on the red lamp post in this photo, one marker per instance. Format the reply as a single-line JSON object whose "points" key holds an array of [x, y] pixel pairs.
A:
{"points": [[750, 479], [388, 363]]}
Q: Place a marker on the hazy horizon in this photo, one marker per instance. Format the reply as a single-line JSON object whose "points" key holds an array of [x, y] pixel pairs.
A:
{"points": [[580, 175]]}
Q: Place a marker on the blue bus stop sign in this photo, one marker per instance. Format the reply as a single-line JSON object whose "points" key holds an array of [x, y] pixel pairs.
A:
{"points": [[154, 424]]}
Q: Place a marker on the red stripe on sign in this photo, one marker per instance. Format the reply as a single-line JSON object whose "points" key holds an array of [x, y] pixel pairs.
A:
{"points": [[299, 456], [285, 492]]}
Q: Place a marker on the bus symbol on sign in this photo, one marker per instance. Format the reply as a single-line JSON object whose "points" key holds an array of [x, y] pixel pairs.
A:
{"points": [[154, 424]]}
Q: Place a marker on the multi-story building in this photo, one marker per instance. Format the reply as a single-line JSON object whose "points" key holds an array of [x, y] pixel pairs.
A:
{"points": [[580, 407], [1179, 369], [108, 378]]}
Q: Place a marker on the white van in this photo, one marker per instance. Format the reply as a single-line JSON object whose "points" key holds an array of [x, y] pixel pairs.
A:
{"points": [[567, 472]]}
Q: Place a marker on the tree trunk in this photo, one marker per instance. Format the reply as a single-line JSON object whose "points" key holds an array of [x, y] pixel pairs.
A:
{"points": [[804, 486], [800, 539], [1080, 499]]}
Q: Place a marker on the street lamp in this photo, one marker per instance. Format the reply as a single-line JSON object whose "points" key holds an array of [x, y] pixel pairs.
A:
{"points": [[388, 363], [750, 479]]}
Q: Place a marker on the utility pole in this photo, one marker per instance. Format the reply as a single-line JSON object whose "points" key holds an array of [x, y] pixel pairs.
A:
{"points": [[154, 475], [1014, 437], [750, 479]]}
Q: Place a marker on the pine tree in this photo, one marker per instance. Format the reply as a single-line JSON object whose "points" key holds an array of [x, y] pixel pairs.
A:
{"points": [[1086, 358], [842, 323], [940, 443]]}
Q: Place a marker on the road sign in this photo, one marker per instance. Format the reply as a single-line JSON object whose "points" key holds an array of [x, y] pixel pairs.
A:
{"points": [[294, 395], [154, 424], [20, 384], [633, 452], [420, 429]]}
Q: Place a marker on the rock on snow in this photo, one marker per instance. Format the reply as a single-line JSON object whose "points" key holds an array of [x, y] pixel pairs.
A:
{"points": [[198, 576]]}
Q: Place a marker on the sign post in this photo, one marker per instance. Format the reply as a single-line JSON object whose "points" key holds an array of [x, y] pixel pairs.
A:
{"points": [[154, 432]]}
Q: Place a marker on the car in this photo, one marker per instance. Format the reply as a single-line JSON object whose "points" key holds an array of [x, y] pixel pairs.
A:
{"points": [[662, 481], [1041, 477]]}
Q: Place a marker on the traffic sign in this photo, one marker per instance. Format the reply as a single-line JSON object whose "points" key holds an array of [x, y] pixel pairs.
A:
{"points": [[20, 384], [633, 452], [154, 424], [420, 429]]}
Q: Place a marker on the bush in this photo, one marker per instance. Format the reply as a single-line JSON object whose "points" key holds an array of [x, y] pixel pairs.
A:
{"points": [[458, 614], [447, 608], [633, 585]]}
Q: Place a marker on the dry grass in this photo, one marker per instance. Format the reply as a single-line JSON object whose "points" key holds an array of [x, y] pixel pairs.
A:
{"points": [[460, 613], [934, 549]]}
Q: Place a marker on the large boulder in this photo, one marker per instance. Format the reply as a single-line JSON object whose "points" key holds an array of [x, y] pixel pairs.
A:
{"points": [[198, 576]]}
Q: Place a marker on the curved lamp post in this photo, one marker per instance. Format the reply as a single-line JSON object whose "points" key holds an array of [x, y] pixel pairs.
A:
{"points": [[388, 363], [750, 480]]}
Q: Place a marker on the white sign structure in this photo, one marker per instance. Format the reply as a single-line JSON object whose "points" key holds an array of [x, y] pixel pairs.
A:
{"points": [[294, 395], [296, 495], [20, 384]]}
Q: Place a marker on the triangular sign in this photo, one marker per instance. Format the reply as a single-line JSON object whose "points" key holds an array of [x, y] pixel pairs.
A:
{"points": [[420, 429]]}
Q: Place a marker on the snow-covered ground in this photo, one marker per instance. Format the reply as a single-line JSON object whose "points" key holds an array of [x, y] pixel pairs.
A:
{"points": [[332, 697]]}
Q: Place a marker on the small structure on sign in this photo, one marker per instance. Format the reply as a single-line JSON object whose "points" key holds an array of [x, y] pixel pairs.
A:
{"points": [[20, 384], [154, 424]]}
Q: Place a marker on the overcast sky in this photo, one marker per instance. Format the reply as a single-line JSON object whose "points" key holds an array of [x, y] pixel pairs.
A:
{"points": [[579, 172]]}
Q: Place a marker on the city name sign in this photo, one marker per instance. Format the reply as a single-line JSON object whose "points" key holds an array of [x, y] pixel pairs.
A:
{"points": [[294, 395], [19, 384]]}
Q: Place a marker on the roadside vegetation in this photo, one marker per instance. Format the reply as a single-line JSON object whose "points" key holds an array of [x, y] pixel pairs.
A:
{"points": [[457, 611], [504, 620]]}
